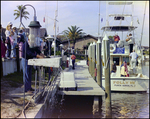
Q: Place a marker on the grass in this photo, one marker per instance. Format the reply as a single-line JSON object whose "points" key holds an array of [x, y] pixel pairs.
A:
{"points": [[14, 79], [18, 110]]}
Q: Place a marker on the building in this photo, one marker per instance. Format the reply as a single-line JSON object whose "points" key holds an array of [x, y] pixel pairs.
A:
{"points": [[81, 42]]}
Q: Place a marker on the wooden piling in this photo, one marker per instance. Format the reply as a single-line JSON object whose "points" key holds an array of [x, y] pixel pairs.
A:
{"points": [[96, 106], [99, 63], [90, 58], [107, 76], [94, 60]]}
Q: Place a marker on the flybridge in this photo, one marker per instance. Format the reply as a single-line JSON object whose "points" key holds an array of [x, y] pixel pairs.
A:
{"points": [[119, 28]]}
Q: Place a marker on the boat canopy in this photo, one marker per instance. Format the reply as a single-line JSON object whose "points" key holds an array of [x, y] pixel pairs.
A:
{"points": [[119, 28], [123, 15], [120, 3]]}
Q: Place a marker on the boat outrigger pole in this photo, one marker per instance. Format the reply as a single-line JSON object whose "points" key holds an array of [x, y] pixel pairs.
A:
{"points": [[143, 25]]}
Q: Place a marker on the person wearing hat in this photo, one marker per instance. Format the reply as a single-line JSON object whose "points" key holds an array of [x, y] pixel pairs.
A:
{"points": [[10, 23], [116, 38], [14, 42], [7, 33]]}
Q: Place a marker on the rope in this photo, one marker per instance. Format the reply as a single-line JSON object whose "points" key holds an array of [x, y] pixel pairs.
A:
{"points": [[22, 112]]}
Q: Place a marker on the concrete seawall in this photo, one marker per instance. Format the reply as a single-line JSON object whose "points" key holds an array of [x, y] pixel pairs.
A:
{"points": [[10, 66]]}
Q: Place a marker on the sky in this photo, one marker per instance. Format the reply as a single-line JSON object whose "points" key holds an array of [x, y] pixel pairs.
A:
{"points": [[83, 14]]}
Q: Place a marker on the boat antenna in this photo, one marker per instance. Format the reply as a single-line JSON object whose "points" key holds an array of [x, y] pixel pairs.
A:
{"points": [[45, 14], [99, 21], [143, 25], [122, 12]]}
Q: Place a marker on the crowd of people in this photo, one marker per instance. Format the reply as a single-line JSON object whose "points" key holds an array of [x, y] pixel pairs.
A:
{"points": [[16, 38], [19, 39]]}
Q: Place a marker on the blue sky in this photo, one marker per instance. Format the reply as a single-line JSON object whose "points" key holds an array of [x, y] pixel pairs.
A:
{"points": [[83, 14]]}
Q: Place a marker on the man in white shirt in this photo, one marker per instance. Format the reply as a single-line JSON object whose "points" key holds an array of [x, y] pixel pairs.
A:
{"points": [[134, 57]]}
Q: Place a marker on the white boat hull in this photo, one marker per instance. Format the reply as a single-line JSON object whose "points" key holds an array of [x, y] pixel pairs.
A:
{"points": [[128, 84]]}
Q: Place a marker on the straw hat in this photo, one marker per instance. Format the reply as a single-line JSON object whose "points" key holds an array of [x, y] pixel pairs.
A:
{"points": [[10, 23]]}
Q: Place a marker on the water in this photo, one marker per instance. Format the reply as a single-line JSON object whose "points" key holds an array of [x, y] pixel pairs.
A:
{"points": [[124, 105]]}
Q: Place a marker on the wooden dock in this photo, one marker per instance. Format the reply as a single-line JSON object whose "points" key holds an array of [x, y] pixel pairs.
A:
{"points": [[86, 85]]}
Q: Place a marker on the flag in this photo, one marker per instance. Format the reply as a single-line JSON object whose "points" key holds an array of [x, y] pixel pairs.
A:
{"points": [[44, 19], [101, 19], [54, 25], [138, 21]]}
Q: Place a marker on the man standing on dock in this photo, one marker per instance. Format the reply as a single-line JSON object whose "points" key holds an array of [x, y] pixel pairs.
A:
{"points": [[29, 53], [73, 57]]}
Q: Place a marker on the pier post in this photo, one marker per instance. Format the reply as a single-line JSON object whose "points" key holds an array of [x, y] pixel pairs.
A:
{"points": [[107, 75], [94, 60], [96, 106], [90, 57], [99, 63]]}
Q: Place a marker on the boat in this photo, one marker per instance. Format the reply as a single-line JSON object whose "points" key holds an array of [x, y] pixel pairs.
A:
{"points": [[136, 82]]}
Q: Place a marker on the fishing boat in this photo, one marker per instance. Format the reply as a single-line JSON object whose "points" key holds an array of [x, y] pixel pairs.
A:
{"points": [[119, 52]]}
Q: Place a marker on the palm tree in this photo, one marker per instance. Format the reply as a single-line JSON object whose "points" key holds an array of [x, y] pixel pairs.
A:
{"points": [[73, 33], [24, 13]]}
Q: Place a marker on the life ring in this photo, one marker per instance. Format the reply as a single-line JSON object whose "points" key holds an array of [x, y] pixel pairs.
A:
{"points": [[112, 47]]}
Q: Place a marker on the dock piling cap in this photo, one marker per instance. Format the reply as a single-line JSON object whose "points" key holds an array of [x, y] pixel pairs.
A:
{"points": [[94, 43], [105, 38], [91, 44], [99, 41]]}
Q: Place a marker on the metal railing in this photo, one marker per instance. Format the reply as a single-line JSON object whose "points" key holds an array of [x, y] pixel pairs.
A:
{"points": [[44, 87]]}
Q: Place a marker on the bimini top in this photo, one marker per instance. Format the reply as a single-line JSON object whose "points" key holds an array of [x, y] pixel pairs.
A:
{"points": [[119, 28], [120, 3]]}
